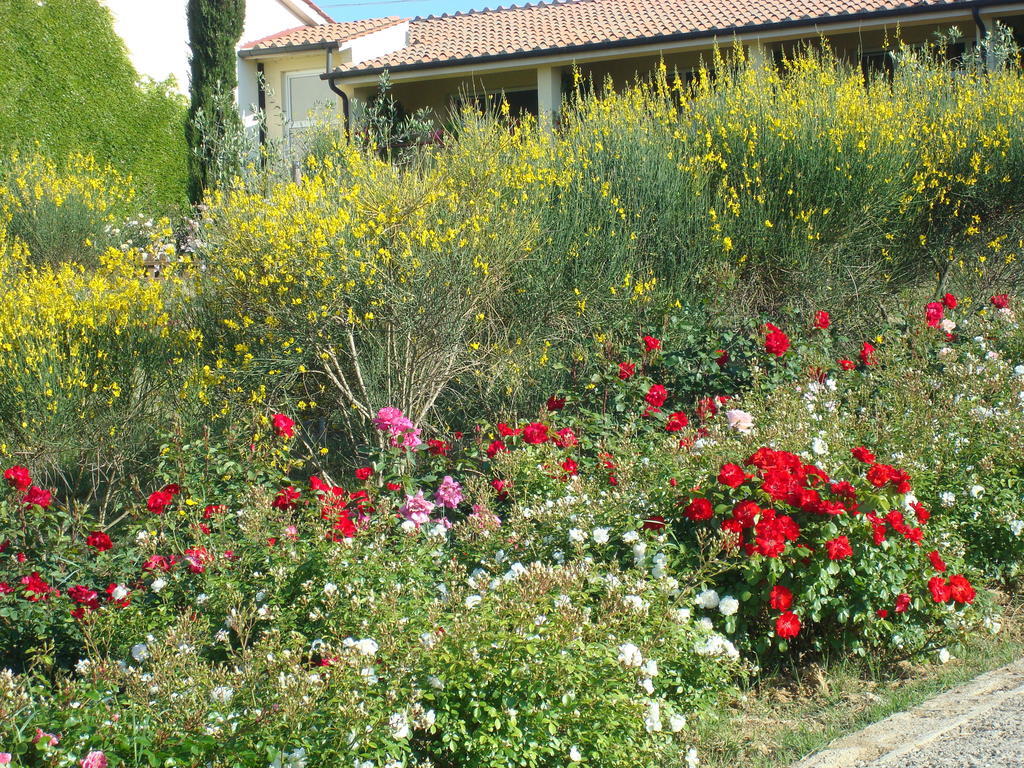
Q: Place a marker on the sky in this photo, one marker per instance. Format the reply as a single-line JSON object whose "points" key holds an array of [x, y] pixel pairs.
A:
{"points": [[350, 10]]}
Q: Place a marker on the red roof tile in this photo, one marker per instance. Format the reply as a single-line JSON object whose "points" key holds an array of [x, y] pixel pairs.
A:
{"points": [[559, 24], [338, 32]]}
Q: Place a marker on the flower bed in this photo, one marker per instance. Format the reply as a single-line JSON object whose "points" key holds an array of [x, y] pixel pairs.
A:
{"points": [[577, 587]]}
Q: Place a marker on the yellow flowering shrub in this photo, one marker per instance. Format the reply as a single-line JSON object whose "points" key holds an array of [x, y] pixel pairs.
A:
{"points": [[466, 272], [367, 284], [95, 364]]}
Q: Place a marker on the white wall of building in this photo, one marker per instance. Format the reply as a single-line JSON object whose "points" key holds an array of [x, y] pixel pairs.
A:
{"points": [[156, 31]]}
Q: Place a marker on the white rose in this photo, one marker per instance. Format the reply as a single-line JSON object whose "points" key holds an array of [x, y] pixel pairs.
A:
{"points": [[600, 535], [728, 605], [630, 656], [707, 599]]}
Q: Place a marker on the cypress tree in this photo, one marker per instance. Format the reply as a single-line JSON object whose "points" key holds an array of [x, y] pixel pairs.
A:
{"points": [[214, 29]]}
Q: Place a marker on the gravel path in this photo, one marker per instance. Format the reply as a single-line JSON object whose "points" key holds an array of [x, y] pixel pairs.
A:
{"points": [[979, 724], [994, 739]]}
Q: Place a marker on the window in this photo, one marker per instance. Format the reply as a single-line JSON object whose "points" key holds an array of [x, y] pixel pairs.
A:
{"points": [[304, 94], [520, 103], [877, 63]]}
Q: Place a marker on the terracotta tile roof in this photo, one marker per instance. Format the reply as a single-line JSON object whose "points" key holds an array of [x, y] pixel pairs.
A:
{"points": [[545, 26], [338, 32]]}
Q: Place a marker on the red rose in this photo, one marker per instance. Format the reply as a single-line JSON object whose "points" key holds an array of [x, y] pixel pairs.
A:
{"points": [[535, 433], [501, 488], [99, 541], [822, 320], [960, 589], [18, 478], [941, 591], [860, 453], [901, 479], [283, 425], [84, 596], [286, 499], [652, 343], [775, 341], [570, 467], [882, 613], [780, 598], [626, 370], [654, 523], [867, 353], [699, 509], [722, 359], [949, 301], [706, 408], [847, 365], [495, 448], [677, 422], [506, 431], [1000, 301], [38, 496], [566, 438], [921, 511], [746, 512], [158, 501], [879, 475], [732, 475], [902, 602], [656, 396], [613, 480], [787, 625], [437, 447], [933, 314], [364, 473], [159, 563], [555, 403], [936, 560], [838, 548]]}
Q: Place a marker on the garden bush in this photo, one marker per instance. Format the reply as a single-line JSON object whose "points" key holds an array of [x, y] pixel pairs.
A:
{"points": [[69, 87], [577, 586], [755, 191]]}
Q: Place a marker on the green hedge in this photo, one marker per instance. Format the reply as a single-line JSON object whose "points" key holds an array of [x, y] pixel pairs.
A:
{"points": [[67, 84]]}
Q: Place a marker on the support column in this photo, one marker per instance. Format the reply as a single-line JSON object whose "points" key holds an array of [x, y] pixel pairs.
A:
{"points": [[760, 55], [989, 23], [549, 95]]}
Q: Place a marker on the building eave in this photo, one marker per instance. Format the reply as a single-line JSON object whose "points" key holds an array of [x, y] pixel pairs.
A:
{"points": [[652, 45], [260, 53]]}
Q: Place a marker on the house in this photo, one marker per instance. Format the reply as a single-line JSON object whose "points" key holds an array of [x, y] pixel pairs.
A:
{"points": [[528, 53], [156, 33]]}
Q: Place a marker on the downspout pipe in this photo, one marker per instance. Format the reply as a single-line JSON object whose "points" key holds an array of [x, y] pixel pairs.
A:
{"points": [[982, 32], [334, 87], [261, 101]]}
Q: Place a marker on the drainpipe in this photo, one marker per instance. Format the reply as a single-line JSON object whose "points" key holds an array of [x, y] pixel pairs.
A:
{"points": [[981, 31], [334, 87], [261, 102]]}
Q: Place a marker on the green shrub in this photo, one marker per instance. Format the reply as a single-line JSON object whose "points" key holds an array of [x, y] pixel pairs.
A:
{"points": [[69, 87]]}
